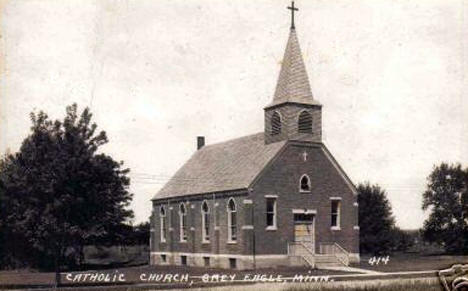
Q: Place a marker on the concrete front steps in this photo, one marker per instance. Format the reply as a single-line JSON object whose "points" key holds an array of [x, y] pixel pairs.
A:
{"points": [[326, 260], [331, 255]]}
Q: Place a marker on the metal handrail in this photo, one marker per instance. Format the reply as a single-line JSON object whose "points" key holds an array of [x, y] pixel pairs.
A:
{"points": [[336, 250], [307, 261], [344, 252], [301, 244], [310, 252], [342, 249], [343, 261]]}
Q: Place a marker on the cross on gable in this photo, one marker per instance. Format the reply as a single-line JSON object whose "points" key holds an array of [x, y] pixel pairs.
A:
{"points": [[292, 8], [304, 156]]}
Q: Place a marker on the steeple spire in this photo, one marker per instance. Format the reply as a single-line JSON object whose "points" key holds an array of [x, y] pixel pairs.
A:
{"points": [[293, 83]]}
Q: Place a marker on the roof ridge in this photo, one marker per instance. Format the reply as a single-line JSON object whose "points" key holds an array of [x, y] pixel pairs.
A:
{"points": [[232, 139]]}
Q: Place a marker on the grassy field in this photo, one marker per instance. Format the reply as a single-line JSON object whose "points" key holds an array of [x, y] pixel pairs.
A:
{"points": [[413, 262], [117, 255], [369, 285], [377, 285], [382, 285]]}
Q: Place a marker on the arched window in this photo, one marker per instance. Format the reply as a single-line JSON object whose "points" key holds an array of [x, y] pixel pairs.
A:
{"points": [[232, 221], [304, 123], [163, 225], [304, 183], [205, 222], [275, 123], [183, 222]]}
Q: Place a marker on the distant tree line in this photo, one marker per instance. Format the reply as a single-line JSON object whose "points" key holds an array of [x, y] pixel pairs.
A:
{"points": [[133, 235], [446, 200]]}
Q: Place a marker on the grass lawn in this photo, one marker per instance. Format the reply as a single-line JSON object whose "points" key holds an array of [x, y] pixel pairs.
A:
{"points": [[370, 285], [424, 284], [413, 262]]}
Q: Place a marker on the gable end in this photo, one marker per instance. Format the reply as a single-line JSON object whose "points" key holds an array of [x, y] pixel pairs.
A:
{"points": [[339, 169]]}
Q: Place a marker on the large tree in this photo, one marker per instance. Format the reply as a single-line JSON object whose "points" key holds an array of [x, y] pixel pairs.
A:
{"points": [[446, 199], [376, 221], [59, 193], [3, 253]]}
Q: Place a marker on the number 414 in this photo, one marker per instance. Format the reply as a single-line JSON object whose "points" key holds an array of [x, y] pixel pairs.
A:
{"points": [[378, 260]]}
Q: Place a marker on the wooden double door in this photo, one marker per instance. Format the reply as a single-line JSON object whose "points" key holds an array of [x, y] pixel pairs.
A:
{"points": [[304, 230]]}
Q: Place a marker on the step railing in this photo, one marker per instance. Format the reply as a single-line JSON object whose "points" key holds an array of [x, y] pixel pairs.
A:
{"points": [[299, 249], [336, 250]]}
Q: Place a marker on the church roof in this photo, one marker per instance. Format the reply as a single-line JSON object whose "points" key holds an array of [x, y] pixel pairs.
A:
{"points": [[293, 83], [229, 165]]}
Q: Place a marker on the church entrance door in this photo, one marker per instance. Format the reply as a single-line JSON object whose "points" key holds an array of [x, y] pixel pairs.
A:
{"points": [[304, 230]]}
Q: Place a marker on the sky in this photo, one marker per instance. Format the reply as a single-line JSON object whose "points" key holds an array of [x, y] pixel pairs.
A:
{"points": [[391, 75]]}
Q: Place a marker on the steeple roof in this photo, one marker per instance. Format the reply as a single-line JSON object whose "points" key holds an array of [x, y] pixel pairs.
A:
{"points": [[293, 83]]}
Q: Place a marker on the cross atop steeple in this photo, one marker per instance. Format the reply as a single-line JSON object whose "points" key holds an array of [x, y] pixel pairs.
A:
{"points": [[292, 8]]}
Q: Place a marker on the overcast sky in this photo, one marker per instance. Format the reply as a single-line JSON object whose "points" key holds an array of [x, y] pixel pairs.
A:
{"points": [[390, 76]]}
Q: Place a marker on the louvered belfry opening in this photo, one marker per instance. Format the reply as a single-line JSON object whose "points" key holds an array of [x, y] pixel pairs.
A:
{"points": [[305, 122], [275, 123]]}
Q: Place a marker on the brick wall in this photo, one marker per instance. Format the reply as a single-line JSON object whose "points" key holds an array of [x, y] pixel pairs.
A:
{"points": [[282, 179], [218, 243]]}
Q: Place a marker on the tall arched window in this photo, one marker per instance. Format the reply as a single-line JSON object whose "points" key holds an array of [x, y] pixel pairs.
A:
{"points": [[304, 183], [162, 223], [232, 220], [183, 222], [205, 222], [275, 123], [304, 123]]}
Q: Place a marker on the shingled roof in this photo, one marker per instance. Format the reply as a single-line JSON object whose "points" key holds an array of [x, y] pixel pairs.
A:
{"points": [[225, 166], [293, 83]]}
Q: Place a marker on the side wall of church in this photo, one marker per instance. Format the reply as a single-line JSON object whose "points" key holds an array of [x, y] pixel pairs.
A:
{"points": [[282, 179], [218, 249]]}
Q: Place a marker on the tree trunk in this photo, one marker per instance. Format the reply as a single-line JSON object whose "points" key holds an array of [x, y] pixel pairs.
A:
{"points": [[57, 273], [81, 256], [57, 264]]}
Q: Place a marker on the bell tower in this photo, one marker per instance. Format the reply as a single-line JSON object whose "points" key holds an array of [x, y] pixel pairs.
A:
{"points": [[294, 114]]}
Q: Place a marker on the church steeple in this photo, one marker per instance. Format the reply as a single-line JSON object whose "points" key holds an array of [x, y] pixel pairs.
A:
{"points": [[293, 114], [293, 83]]}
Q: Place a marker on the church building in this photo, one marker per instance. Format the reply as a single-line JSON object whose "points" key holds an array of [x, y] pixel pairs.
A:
{"points": [[275, 198]]}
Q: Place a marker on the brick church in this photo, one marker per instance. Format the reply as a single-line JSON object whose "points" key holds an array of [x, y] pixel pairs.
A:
{"points": [[275, 198]]}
